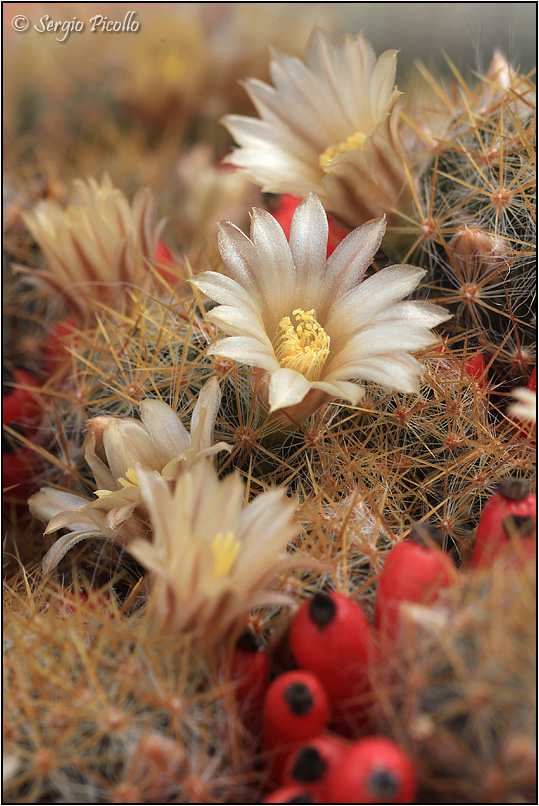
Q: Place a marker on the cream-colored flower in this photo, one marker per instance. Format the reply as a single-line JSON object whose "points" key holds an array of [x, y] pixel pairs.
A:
{"points": [[312, 325], [113, 448], [526, 407], [98, 244], [329, 126], [211, 558]]}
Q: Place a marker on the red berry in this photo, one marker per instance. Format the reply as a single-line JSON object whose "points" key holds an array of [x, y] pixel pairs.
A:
{"points": [[55, 351], [310, 764], [291, 794], [476, 367], [373, 770], [19, 469], [532, 383], [286, 209], [296, 707], [331, 637], [510, 513], [21, 412], [165, 259], [249, 669], [83, 603], [19, 405], [412, 573]]}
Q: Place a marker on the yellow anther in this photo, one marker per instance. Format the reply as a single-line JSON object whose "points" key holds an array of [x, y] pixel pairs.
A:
{"points": [[225, 550], [304, 346], [130, 479], [355, 140]]}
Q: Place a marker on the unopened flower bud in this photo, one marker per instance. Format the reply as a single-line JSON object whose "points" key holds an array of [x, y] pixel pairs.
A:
{"points": [[479, 254]]}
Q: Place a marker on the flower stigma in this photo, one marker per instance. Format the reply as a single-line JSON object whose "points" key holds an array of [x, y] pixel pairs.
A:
{"points": [[225, 549], [303, 347], [352, 142]]}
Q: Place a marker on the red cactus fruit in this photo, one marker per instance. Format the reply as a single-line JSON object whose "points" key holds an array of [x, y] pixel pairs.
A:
{"points": [[509, 514], [373, 770], [311, 762], [412, 572]]}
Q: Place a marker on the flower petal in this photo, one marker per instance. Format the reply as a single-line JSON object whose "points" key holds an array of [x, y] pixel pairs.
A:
{"points": [[127, 443], [348, 263], [413, 312], [223, 289], [286, 388], [49, 502], [169, 435], [239, 322], [245, 351], [265, 529], [308, 244], [274, 169], [60, 548], [94, 453], [205, 413], [239, 256], [380, 340], [274, 127], [364, 303], [304, 94], [156, 495], [349, 86], [397, 371], [276, 267], [341, 389], [382, 82]]}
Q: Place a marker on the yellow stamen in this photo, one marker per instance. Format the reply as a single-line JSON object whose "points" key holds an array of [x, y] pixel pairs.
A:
{"points": [[303, 347], [355, 140], [130, 479], [225, 550]]}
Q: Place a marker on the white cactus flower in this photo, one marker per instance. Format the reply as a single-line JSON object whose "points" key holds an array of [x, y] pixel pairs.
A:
{"points": [[113, 448], [212, 558], [314, 326], [97, 245], [329, 125]]}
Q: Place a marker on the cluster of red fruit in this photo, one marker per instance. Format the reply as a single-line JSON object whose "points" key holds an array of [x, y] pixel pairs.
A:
{"points": [[333, 652], [332, 643]]}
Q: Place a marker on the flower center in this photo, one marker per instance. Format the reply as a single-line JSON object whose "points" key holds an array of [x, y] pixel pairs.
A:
{"points": [[225, 549], [355, 140], [303, 347]]}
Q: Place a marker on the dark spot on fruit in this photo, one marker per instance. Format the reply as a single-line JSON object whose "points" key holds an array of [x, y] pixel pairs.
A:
{"points": [[249, 642], [513, 489], [426, 534], [298, 698], [383, 784], [309, 765], [322, 610]]}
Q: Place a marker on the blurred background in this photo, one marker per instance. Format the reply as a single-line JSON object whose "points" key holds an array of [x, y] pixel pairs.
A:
{"points": [[467, 32], [145, 105]]}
